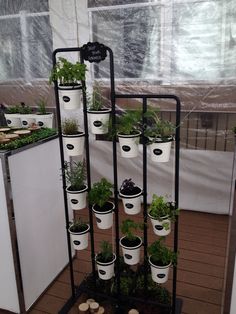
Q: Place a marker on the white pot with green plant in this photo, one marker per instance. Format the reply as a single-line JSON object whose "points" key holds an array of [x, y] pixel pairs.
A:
{"points": [[69, 76], [130, 243], [79, 231], [12, 116], [160, 134], [161, 214], [26, 116], [105, 260], [75, 174], [160, 259], [98, 115], [131, 197], [128, 132], [43, 118], [99, 197], [73, 138]]}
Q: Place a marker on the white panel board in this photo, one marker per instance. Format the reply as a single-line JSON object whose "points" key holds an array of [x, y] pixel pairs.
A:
{"points": [[39, 212]]}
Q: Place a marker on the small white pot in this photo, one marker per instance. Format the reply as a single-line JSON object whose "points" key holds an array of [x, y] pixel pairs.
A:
{"points": [[77, 199], [160, 274], [79, 240], [44, 120], [161, 227], [129, 145], [160, 151], [106, 270], [70, 96], [13, 120], [131, 203], [74, 144], [98, 121], [27, 120], [131, 254], [104, 219]]}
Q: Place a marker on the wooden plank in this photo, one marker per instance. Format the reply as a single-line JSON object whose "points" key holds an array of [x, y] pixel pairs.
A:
{"points": [[61, 290], [49, 304], [191, 306], [201, 268]]}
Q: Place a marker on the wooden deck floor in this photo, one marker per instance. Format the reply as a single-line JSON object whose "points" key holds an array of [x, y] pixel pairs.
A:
{"points": [[201, 267]]}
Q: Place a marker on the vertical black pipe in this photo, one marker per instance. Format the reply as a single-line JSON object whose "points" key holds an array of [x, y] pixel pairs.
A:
{"points": [[145, 240], [86, 131], [113, 107], [177, 151], [58, 113]]}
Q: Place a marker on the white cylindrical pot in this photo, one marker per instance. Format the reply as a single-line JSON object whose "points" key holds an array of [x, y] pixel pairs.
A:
{"points": [[106, 270], [27, 120], [74, 144], [98, 121], [131, 203], [160, 274], [104, 219], [129, 145], [160, 151], [77, 199], [44, 120], [80, 240], [161, 227], [70, 96], [131, 254], [13, 120]]}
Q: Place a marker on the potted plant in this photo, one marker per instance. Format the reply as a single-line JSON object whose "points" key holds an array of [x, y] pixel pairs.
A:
{"points": [[43, 118], [26, 116], [130, 243], [98, 114], [160, 134], [69, 76], [75, 174], [79, 234], [12, 116], [160, 259], [131, 197], [161, 214], [105, 260], [128, 132], [73, 138], [99, 196]]}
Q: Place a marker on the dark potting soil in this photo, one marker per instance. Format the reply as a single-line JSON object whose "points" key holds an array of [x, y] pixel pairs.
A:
{"points": [[76, 189], [108, 206], [79, 229], [134, 191], [126, 242]]}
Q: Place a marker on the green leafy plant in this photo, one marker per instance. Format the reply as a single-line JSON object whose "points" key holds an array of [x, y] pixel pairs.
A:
{"points": [[70, 126], [161, 255], [106, 254], [42, 106], [13, 109], [78, 225], [157, 128], [100, 192], [127, 228], [129, 123], [160, 209], [68, 73], [96, 101], [24, 109], [75, 174]]}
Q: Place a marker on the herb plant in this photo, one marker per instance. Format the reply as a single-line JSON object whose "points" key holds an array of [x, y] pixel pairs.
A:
{"points": [[106, 254], [100, 192], [160, 254], [67, 73], [160, 209], [42, 107], [78, 225], [70, 126], [127, 228], [75, 174], [13, 109], [129, 123], [24, 109], [96, 101], [128, 187]]}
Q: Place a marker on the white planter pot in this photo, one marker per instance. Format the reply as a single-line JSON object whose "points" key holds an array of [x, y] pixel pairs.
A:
{"points": [[27, 120], [79, 240], [74, 144], [160, 151], [104, 219], [131, 203], [131, 254], [98, 121], [160, 274], [161, 227], [13, 120], [44, 120], [129, 145], [70, 96], [106, 270], [77, 199]]}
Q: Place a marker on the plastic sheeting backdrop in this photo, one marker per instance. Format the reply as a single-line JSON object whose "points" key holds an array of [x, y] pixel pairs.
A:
{"points": [[185, 48]]}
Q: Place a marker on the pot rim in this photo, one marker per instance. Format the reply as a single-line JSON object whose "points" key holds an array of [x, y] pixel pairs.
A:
{"points": [[156, 266], [162, 218], [131, 247], [131, 196], [78, 233], [77, 192], [106, 212], [108, 263], [129, 135], [103, 111], [74, 135]]}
